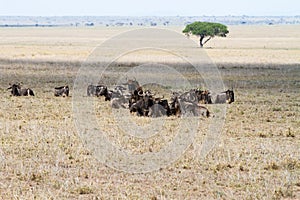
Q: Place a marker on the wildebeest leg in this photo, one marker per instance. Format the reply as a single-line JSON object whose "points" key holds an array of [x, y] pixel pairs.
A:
{"points": [[140, 112]]}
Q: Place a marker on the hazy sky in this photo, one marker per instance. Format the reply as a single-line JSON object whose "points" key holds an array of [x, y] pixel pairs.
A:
{"points": [[148, 7]]}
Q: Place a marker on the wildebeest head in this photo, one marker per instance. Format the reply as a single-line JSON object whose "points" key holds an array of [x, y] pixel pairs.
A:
{"points": [[102, 90], [225, 97], [229, 96], [61, 91], [15, 89], [148, 99]]}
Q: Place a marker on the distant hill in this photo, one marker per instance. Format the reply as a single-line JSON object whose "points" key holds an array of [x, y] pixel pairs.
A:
{"points": [[24, 21]]}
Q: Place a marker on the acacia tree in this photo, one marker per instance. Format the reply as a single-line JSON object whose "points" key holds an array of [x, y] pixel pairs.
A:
{"points": [[206, 30]]}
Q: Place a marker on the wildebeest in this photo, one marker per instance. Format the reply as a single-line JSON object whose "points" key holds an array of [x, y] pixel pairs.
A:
{"points": [[192, 109], [203, 97], [120, 89], [142, 104], [197, 96], [145, 104], [16, 90], [190, 96], [61, 91], [225, 97], [174, 104], [96, 90], [132, 85], [118, 102], [117, 93], [182, 107], [99, 90], [160, 108], [110, 94], [138, 107], [136, 95]]}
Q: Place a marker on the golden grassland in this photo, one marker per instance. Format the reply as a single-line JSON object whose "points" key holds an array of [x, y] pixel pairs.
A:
{"points": [[256, 157], [244, 44]]}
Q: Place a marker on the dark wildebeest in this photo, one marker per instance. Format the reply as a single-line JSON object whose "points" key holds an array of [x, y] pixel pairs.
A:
{"points": [[142, 105], [204, 97], [136, 95], [160, 108], [138, 107], [99, 90], [225, 97], [16, 90], [96, 90], [61, 91]]}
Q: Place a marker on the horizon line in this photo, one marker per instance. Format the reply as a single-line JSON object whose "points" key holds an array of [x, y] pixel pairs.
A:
{"points": [[150, 15]]}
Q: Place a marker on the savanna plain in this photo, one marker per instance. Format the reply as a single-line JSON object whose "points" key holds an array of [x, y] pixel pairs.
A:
{"points": [[256, 155]]}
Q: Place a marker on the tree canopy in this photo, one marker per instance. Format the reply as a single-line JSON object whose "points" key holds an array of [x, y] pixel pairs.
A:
{"points": [[206, 30]]}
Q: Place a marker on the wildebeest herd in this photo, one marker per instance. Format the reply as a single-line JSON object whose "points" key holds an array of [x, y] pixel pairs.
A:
{"points": [[145, 103]]}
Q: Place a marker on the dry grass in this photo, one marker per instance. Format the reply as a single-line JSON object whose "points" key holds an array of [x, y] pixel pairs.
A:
{"points": [[256, 157], [245, 44]]}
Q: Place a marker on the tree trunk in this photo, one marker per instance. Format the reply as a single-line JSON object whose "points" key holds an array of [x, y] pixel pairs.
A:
{"points": [[201, 40], [207, 40]]}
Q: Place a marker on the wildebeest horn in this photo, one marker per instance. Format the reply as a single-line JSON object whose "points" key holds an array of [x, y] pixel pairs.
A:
{"points": [[59, 88], [140, 93], [9, 88], [193, 98]]}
